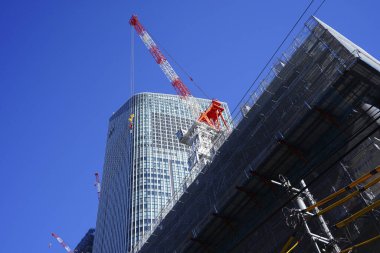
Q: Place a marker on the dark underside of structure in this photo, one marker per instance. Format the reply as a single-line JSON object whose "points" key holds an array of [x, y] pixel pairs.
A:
{"points": [[317, 121], [85, 245]]}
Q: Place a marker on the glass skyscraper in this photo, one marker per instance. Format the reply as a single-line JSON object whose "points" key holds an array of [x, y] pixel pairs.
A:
{"points": [[144, 165]]}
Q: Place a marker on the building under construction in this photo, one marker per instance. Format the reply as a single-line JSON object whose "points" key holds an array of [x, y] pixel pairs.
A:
{"points": [[299, 172], [144, 166]]}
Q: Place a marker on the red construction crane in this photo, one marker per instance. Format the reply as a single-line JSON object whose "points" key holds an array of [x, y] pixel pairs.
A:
{"points": [[209, 116], [63, 244]]}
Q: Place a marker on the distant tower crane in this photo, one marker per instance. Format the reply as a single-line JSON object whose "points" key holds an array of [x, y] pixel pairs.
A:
{"points": [[97, 184], [206, 128], [64, 245]]}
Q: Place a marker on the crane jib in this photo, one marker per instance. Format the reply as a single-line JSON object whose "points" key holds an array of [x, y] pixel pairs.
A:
{"points": [[211, 115]]}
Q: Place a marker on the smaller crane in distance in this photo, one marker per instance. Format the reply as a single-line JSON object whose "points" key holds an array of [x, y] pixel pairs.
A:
{"points": [[63, 244]]}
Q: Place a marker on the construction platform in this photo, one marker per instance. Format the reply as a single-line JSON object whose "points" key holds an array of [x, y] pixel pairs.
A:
{"points": [[314, 117]]}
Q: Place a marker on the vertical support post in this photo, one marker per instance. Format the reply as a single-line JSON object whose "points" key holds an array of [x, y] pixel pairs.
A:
{"points": [[302, 213], [302, 206], [320, 218]]}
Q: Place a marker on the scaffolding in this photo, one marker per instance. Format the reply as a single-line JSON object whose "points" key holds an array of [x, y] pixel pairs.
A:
{"points": [[314, 119]]}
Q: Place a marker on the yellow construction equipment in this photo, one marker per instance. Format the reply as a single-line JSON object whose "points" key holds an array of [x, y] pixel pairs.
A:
{"points": [[357, 214], [286, 247], [348, 197], [131, 120], [360, 244], [345, 189], [293, 247]]}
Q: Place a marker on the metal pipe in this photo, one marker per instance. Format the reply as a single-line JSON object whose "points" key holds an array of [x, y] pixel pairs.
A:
{"points": [[321, 238], [358, 214], [281, 184], [301, 205], [320, 217], [345, 189]]}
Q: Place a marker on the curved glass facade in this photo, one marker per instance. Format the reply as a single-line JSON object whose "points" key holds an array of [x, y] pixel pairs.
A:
{"points": [[143, 166]]}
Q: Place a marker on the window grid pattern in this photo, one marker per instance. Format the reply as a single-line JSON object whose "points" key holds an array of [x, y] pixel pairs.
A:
{"points": [[143, 167]]}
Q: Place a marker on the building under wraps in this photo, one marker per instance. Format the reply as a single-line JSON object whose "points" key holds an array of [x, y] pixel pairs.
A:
{"points": [[300, 171]]}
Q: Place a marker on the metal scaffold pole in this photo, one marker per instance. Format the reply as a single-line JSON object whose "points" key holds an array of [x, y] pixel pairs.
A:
{"points": [[303, 214], [322, 221]]}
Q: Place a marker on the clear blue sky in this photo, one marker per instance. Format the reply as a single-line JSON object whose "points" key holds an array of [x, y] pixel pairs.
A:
{"points": [[64, 68]]}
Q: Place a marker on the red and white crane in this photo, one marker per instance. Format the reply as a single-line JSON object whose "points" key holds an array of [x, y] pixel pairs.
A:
{"points": [[97, 184], [210, 116], [203, 135], [63, 244]]}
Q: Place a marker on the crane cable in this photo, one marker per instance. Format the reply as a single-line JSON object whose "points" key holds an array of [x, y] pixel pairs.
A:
{"points": [[132, 79], [181, 68], [273, 55], [132, 64]]}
